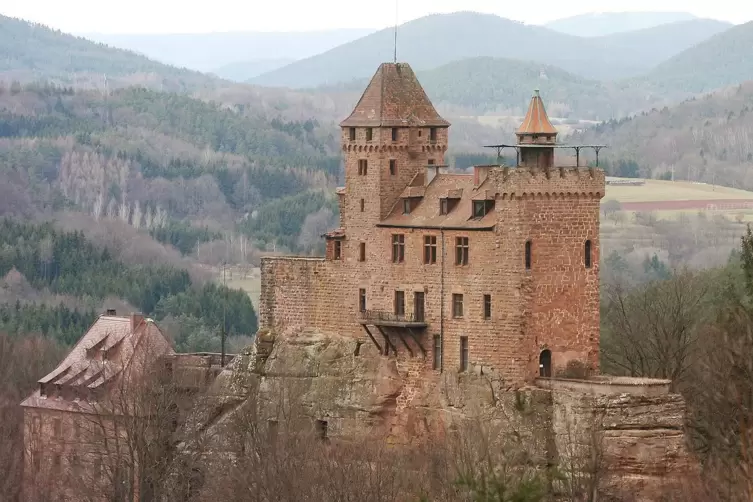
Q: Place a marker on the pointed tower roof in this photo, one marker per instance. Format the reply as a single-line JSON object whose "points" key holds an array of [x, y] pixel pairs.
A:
{"points": [[394, 98], [536, 121]]}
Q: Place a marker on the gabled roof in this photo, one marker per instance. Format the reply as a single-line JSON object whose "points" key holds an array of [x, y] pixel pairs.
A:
{"points": [[109, 346], [536, 120], [394, 98]]}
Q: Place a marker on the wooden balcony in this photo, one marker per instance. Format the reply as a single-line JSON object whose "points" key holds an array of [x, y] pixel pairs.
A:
{"points": [[390, 319]]}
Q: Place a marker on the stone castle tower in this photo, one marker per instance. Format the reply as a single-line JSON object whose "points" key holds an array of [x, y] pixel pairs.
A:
{"points": [[494, 270]]}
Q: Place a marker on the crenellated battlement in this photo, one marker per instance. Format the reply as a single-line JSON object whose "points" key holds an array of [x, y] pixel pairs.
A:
{"points": [[541, 183]]}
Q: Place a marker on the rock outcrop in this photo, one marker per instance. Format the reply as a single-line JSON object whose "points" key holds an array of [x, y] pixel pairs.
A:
{"points": [[637, 435]]}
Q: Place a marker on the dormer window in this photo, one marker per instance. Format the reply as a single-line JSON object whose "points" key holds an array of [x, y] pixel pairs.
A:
{"points": [[406, 206], [481, 208], [447, 205], [369, 134], [352, 133]]}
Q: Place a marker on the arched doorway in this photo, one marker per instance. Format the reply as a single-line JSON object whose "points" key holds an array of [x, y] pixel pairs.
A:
{"points": [[545, 363]]}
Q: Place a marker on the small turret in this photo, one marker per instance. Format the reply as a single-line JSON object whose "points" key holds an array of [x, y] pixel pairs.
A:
{"points": [[536, 136]]}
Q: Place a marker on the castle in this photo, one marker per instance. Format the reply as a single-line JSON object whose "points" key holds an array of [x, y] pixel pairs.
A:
{"points": [[498, 269]]}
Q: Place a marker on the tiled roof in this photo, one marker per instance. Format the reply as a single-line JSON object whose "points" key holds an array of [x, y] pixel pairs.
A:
{"points": [[536, 120], [426, 213], [100, 356], [394, 98]]}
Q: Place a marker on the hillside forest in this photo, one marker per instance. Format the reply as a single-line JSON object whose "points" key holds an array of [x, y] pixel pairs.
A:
{"points": [[129, 184]]}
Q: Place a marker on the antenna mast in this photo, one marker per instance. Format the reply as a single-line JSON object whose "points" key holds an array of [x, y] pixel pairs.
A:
{"points": [[397, 2]]}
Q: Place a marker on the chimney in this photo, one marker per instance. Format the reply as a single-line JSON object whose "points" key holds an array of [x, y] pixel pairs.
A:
{"points": [[136, 319], [480, 173], [111, 312]]}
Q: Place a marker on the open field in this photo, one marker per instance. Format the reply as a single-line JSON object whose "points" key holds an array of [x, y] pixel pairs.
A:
{"points": [[661, 191]]}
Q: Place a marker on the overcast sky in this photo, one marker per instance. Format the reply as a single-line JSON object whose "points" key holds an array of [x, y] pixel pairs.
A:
{"points": [[195, 16]]}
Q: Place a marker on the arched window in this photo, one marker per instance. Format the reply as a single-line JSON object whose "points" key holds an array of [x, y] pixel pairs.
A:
{"points": [[545, 363], [588, 254], [528, 255]]}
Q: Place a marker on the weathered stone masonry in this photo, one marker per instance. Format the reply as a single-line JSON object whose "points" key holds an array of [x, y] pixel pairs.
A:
{"points": [[394, 144]]}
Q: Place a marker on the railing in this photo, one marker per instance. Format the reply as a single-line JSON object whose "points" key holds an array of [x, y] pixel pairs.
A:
{"points": [[391, 317]]}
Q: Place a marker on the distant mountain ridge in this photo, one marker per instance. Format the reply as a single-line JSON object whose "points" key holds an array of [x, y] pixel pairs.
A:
{"points": [[721, 60], [597, 24], [36, 52], [464, 35], [209, 51], [242, 71]]}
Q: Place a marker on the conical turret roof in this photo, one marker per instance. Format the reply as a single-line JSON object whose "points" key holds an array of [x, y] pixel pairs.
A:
{"points": [[536, 120], [394, 98]]}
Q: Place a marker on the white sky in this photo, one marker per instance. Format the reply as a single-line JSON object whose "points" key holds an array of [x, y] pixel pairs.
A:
{"points": [[196, 16]]}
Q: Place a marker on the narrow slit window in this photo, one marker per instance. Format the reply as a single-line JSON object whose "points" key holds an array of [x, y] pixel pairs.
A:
{"points": [[487, 307], [433, 134], [362, 300], [437, 352], [337, 251], [588, 254], [463, 353], [362, 251], [352, 133], [393, 167], [369, 134], [394, 134], [528, 255], [363, 205]]}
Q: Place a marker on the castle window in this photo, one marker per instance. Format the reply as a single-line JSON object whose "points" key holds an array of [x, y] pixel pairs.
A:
{"points": [[463, 353], [352, 133], [588, 254], [337, 250], [481, 208], [369, 134], [461, 251], [56, 428], [406, 206], [363, 204], [431, 162], [437, 352], [487, 307], [430, 249], [419, 307], [362, 300], [362, 251], [394, 134], [457, 305], [398, 248], [400, 303], [443, 206], [363, 167], [433, 134], [393, 167], [528, 255], [321, 429]]}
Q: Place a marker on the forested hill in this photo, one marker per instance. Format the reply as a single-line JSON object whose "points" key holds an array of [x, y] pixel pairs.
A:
{"points": [[438, 39], [705, 139], [499, 86], [32, 52], [154, 159], [722, 60], [44, 263]]}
